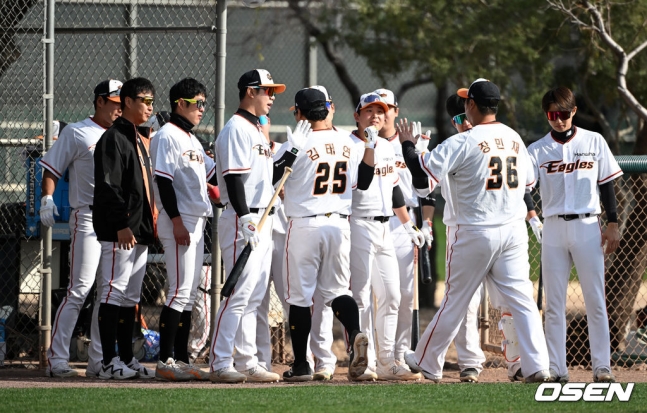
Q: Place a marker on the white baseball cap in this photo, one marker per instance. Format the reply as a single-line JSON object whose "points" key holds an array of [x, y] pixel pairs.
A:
{"points": [[259, 78], [369, 99], [109, 89], [388, 97]]}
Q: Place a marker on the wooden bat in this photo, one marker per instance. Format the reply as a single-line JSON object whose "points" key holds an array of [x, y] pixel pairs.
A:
{"points": [[415, 322], [540, 292], [240, 263]]}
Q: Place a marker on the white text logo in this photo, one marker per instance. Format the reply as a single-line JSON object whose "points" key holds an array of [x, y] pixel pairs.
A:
{"points": [[592, 392]]}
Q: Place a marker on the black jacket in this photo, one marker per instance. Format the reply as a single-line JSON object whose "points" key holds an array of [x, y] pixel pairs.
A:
{"points": [[120, 199]]}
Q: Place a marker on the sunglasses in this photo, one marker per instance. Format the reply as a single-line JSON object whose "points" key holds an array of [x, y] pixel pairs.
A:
{"points": [[269, 91], [201, 104], [368, 99], [561, 114], [460, 118], [146, 100]]}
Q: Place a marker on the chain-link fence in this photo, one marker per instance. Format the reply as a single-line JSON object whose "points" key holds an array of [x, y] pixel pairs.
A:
{"points": [[626, 281]]}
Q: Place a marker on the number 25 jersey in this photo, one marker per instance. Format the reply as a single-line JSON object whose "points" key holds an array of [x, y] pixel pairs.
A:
{"points": [[323, 176], [484, 172]]}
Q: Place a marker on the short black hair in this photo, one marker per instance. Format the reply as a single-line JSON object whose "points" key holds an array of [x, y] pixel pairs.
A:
{"points": [[186, 88], [315, 114], [562, 97], [487, 109], [455, 105], [133, 87]]}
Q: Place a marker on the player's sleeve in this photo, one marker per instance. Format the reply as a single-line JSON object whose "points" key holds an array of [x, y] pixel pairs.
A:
{"points": [[278, 153], [235, 152], [608, 169], [445, 158], [209, 165], [532, 171], [62, 153], [108, 174], [166, 155]]}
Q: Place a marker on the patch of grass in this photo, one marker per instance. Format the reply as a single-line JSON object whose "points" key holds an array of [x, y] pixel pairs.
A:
{"points": [[494, 397]]}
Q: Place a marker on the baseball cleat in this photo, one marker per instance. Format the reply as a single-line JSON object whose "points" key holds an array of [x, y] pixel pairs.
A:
{"points": [[144, 373], [542, 376], [298, 372], [227, 375], [93, 370], [517, 376], [61, 370], [603, 375], [469, 375], [358, 357], [171, 371], [195, 372], [323, 374], [117, 370], [259, 375], [394, 371], [410, 359], [556, 378]]}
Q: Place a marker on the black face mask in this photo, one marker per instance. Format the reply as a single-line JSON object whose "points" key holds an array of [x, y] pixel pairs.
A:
{"points": [[181, 122]]}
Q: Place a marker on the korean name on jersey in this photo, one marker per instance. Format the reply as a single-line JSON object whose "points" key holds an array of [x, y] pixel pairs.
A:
{"points": [[323, 176]]}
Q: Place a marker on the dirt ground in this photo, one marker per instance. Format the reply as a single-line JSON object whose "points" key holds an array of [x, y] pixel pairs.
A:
{"points": [[21, 377]]}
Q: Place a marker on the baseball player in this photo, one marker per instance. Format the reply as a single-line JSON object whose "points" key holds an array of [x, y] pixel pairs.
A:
{"points": [[74, 149], [181, 172], [576, 170], [485, 173], [318, 198], [401, 239], [244, 163], [123, 216], [373, 261]]}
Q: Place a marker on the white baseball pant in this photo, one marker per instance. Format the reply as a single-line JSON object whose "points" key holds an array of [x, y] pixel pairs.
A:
{"points": [[404, 252], [183, 262], [563, 243], [467, 340], [201, 314], [85, 252], [372, 249], [499, 253], [235, 323], [119, 282]]}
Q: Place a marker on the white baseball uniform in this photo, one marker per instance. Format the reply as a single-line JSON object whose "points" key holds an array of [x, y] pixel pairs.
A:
{"points": [[74, 149], [318, 198], [372, 249], [570, 174], [178, 155], [485, 172], [404, 252], [241, 148]]}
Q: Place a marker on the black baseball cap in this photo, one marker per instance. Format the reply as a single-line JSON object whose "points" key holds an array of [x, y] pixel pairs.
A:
{"points": [[259, 78], [110, 89], [482, 91], [308, 99]]}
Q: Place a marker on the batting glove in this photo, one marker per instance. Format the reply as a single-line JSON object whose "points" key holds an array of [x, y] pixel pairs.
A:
{"points": [[300, 136], [371, 134], [417, 237], [250, 233], [537, 227], [423, 143], [428, 233], [48, 210]]}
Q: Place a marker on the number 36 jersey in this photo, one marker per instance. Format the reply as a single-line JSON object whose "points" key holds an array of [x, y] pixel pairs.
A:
{"points": [[486, 172], [323, 176]]}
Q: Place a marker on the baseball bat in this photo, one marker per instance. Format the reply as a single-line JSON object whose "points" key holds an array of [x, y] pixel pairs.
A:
{"points": [[241, 262], [415, 322]]}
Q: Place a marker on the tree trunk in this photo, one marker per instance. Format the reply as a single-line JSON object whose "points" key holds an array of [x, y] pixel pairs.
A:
{"points": [[623, 276]]}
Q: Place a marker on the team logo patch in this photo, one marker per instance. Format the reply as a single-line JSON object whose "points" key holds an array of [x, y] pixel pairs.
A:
{"points": [[194, 156], [553, 167], [262, 150]]}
